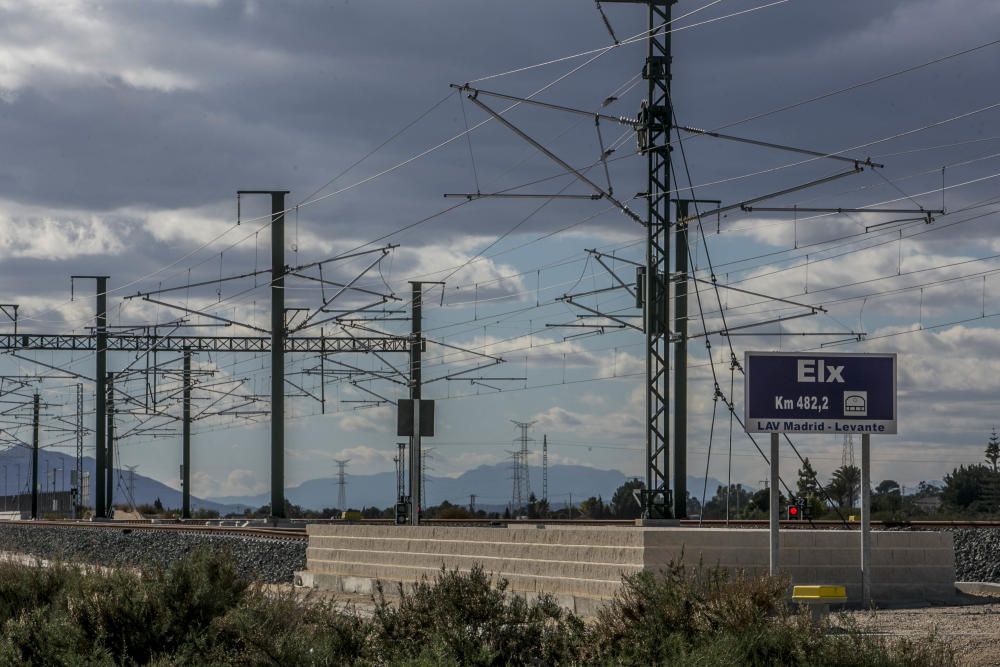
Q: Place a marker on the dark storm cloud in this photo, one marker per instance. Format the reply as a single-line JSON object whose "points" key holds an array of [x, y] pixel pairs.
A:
{"points": [[173, 105]]}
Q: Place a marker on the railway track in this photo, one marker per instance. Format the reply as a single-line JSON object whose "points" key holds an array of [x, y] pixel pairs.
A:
{"points": [[297, 530], [694, 523]]}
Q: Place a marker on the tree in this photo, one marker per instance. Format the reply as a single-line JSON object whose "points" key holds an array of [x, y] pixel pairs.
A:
{"points": [[447, 510], [808, 484], [844, 485], [593, 508], [887, 486], [887, 496], [624, 504], [157, 505], [967, 488], [693, 506], [759, 503], [532, 509], [993, 449], [738, 497]]}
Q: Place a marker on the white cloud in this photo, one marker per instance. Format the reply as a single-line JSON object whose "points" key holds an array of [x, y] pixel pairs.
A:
{"points": [[368, 420], [45, 234], [239, 482]]}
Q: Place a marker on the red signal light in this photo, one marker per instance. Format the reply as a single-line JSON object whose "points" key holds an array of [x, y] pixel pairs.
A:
{"points": [[793, 511]]}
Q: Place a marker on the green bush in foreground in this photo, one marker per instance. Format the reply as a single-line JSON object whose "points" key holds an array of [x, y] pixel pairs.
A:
{"points": [[200, 612]]}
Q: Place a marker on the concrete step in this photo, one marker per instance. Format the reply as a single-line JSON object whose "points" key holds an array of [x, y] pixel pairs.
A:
{"points": [[318, 558], [332, 578], [583, 536], [578, 553]]}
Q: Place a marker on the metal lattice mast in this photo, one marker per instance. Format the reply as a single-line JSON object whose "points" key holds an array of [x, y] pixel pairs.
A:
{"points": [[186, 438], [34, 458], [109, 446], [341, 484], [654, 140], [401, 470], [416, 385], [80, 500]]}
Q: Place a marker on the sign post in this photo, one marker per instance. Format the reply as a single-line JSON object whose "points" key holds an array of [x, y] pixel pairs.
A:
{"points": [[866, 521], [835, 394], [775, 511]]}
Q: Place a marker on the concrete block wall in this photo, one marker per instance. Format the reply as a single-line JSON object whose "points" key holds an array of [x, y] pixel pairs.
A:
{"points": [[907, 566], [568, 563], [583, 566]]}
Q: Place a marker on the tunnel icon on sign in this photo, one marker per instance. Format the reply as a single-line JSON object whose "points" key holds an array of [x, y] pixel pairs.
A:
{"points": [[856, 403]]}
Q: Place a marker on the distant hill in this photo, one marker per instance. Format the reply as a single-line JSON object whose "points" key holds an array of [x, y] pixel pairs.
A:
{"points": [[491, 484], [15, 463]]}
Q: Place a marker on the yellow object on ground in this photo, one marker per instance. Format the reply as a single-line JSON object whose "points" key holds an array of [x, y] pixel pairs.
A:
{"points": [[819, 594]]}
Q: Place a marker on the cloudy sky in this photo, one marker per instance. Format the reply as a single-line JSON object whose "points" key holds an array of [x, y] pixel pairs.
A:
{"points": [[128, 128]]}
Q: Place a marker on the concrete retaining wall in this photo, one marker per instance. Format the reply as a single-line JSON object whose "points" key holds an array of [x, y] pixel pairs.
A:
{"points": [[583, 566]]}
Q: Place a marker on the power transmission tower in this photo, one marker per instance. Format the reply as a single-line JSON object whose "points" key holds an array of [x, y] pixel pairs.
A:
{"points": [[847, 465], [523, 474], [425, 456], [131, 486], [472, 503], [341, 484], [847, 452], [516, 499]]}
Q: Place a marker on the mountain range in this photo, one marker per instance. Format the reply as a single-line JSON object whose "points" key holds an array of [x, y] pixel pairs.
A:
{"points": [[491, 484]]}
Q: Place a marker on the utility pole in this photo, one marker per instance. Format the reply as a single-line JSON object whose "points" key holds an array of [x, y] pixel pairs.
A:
{"points": [[472, 503], [322, 371], [278, 334], [110, 447], [341, 485], [545, 468], [34, 459], [680, 361], [186, 439], [100, 393], [416, 347]]}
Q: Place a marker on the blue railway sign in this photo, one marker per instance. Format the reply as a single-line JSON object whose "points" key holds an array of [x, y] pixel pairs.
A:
{"points": [[820, 393]]}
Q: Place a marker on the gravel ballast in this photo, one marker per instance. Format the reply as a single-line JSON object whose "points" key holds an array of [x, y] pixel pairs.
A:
{"points": [[977, 554], [259, 558]]}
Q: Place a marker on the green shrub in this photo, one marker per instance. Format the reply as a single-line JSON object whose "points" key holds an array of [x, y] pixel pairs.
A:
{"points": [[708, 617], [200, 612], [467, 619]]}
